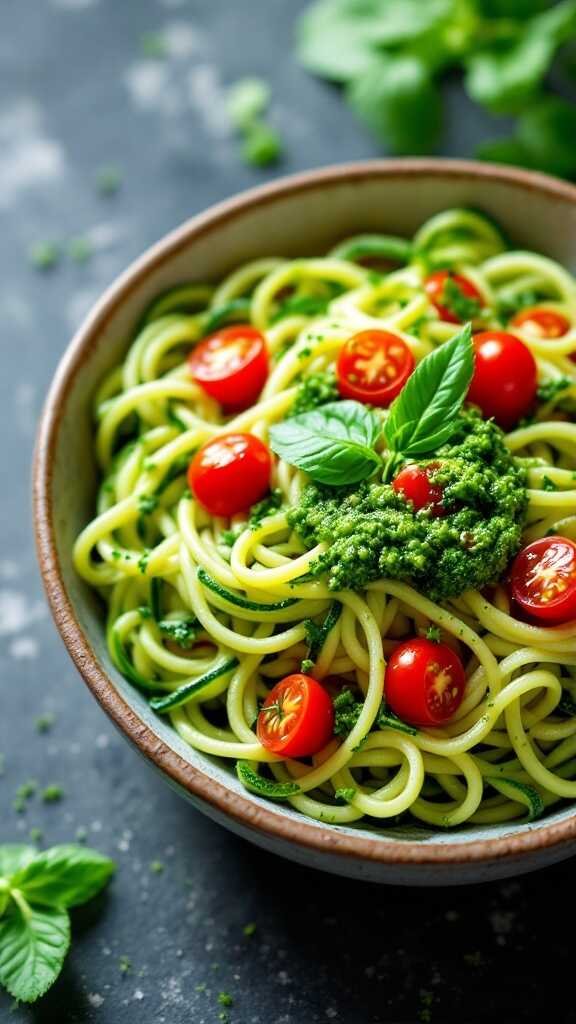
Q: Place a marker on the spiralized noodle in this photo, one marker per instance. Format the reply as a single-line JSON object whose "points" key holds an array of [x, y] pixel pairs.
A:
{"points": [[510, 750]]}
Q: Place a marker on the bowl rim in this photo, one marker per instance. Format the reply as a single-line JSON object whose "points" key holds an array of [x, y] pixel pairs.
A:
{"points": [[261, 818]]}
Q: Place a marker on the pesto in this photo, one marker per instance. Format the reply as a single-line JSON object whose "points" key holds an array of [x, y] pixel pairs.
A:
{"points": [[373, 533]]}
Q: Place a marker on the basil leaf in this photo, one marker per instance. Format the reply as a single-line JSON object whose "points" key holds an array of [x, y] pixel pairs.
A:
{"points": [[504, 79], [14, 856], [32, 950], [64, 876], [548, 133], [398, 100], [512, 8], [422, 417], [334, 443], [505, 151], [335, 38]]}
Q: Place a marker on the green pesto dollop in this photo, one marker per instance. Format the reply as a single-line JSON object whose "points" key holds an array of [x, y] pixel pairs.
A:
{"points": [[374, 533]]}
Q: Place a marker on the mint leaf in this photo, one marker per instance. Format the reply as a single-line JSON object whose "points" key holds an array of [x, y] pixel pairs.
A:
{"points": [[398, 100], [547, 131], [505, 151], [335, 38], [14, 856], [422, 416], [33, 945], [334, 443], [504, 78], [64, 876]]}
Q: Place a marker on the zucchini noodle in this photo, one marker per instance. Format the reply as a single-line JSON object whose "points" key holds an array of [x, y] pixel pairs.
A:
{"points": [[206, 614]]}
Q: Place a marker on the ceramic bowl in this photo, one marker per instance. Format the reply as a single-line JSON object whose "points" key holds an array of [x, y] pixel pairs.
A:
{"points": [[305, 214]]}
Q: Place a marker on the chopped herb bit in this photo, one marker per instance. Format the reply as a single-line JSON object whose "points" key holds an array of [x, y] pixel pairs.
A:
{"points": [[201, 987], [225, 999], [143, 562], [80, 250], [508, 305], [550, 389], [52, 794], [156, 867], [108, 180], [145, 611], [302, 305], [267, 507], [124, 965], [116, 554], [306, 665], [314, 634], [433, 634], [44, 722], [153, 45], [262, 145], [36, 834], [346, 793], [548, 484], [316, 389], [45, 255], [81, 834], [147, 503], [463, 306], [181, 631], [229, 537], [249, 929]]}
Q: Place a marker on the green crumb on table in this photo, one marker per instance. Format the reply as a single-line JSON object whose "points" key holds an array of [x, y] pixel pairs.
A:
{"points": [[225, 999], [108, 180], [124, 964], [433, 634], [81, 834], [249, 929], [224, 1017], [52, 794], [262, 145], [246, 101], [44, 722], [156, 867], [474, 959], [201, 987], [23, 794], [153, 45], [45, 255], [36, 834], [79, 250]]}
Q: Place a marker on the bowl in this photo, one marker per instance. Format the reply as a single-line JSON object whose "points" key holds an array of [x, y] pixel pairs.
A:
{"points": [[305, 214]]}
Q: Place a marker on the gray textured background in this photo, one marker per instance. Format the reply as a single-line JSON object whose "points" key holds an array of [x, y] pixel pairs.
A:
{"points": [[77, 92]]}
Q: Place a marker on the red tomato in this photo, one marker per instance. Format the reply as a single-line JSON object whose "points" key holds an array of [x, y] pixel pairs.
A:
{"points": [[542, 323], [373, 367], [544, 579], [297, 717], [227, 475], [505, 377], [424, 682], [434, 288], [231, 365], [413, 482]]}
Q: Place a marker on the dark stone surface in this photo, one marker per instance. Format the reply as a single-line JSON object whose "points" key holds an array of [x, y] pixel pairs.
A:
{"points": [[75, 93]]}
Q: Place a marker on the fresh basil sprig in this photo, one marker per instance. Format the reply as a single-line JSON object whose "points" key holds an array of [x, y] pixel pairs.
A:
{"points": [[36, 888], [422, 417], [334, 444]]}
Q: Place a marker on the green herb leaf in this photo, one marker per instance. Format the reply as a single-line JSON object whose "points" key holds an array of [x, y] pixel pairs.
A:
{"points": [[335, 39], [334, 444], [262, 145], [461, 305], [547, 131], [505, 151], [14, 856], [550, 389], [64, 876], [398, 100], [423, 415], [33, 946]]}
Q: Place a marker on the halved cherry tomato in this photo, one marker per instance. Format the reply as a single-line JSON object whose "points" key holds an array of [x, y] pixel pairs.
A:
{"points": [[228, 474], [434, 287], [413, 482], [297, 717], [373, 367], [505, 377], [424, 682], [542, 323], [544, 579], [231, 365]]}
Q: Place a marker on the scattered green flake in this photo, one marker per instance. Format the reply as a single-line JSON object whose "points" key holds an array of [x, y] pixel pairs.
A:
{"points": [[426, 1001], [548, 484], [143, 562], [346, 793], [153, 45], [229, 537], [224, 1017], [225, 999], [262, 145], [108, 180], [461, 305], [81, 834], [550, 389], [116, 554], [474, 959], [247, 100], [267, 507], [249, 929], [44, 722], [181, 631], [45, 255], [36, 834], [145, 611], [306, 665], [80, 250], [433, 634], [201, 987], [156, 867], [147, 503], [124, 965], [52, 794]]}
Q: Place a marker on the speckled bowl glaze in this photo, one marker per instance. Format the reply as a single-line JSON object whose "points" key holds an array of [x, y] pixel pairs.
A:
{"points": [[305, 214]]}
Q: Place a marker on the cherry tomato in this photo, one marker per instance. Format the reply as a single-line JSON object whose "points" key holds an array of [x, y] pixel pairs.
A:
{"points": [[505, 377], [231, 472], [373, 367], [434, 288], [231, 365], [544, 579], [424, 682], [413, 482], [297, 717], [542, 323]]}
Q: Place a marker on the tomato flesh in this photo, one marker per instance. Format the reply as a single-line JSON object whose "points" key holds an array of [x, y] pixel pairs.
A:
{"points": [[231, 472], [542, 323], [424, 682], [434, 287], [373, 367], [544, 579], [231, 366], [297, 717], [413, 482], [505, 381]]}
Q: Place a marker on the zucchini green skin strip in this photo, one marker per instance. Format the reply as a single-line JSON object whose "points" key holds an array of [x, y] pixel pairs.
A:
{"points": [[385, 247], [156, 598], [235, 311], [532, 798], [327, 627], [124, 665], [264, 787], [184, 693], [241, 602]]}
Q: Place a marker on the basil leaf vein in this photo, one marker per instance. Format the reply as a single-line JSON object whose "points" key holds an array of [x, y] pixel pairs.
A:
{"points": [[422, 417], [334, 444], [32, 950]]}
